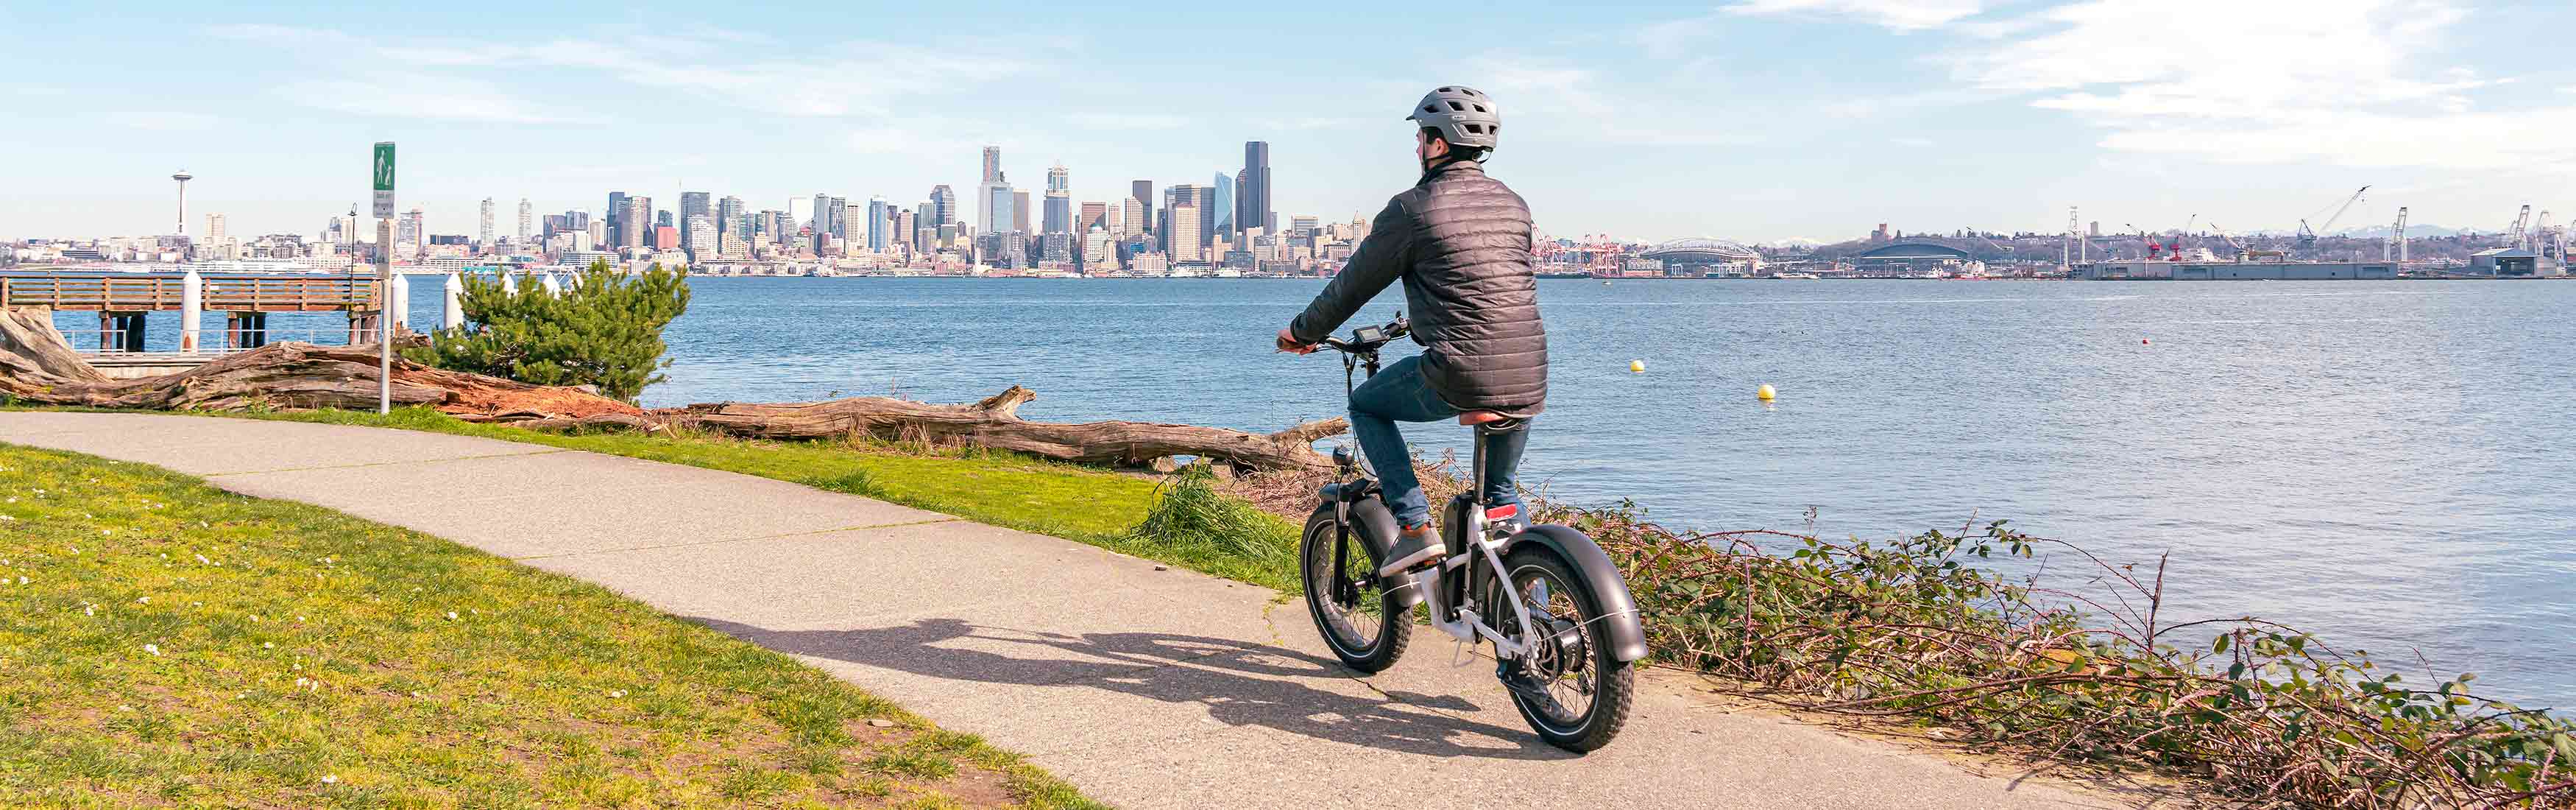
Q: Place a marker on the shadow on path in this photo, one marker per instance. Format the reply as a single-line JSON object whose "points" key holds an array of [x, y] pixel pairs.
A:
{"points": [[1240, 683]]}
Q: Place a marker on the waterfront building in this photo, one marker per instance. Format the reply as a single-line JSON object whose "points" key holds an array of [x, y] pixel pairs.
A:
{"points": [[840, 218], [1020, 211], [1131, 217], [484, 235], [1095, 247], [902, 226], [1254, 210], [1092, 215], [730, 217], [666, 237], [525, 219]]}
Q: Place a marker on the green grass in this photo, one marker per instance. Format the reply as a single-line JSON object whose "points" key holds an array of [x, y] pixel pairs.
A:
{"points": [[164, 643], [1198, 528]]}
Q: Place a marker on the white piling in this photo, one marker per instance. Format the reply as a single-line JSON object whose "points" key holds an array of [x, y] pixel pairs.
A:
{"points": [[398, 303], [509, 281], [192, 310], [553, 287], [451, 312]]}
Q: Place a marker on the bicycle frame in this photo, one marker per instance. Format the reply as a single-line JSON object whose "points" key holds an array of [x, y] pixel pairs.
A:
{"points": [[1468, 545]]}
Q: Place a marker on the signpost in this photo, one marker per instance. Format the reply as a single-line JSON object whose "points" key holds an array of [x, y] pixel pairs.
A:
{"points": [[384, 276]]}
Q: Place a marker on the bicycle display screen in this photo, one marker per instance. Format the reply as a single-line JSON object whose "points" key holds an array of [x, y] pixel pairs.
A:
{"points": [[1368, 334]]}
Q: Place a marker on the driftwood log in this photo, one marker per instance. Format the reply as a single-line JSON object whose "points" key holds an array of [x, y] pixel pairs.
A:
{"points": [[37, 367]]}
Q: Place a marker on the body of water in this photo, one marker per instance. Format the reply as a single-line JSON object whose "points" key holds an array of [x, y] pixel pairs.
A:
{"points": [[2387, 464]]}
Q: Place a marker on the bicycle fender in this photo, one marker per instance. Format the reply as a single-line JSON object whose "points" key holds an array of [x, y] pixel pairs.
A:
{"points": [[1626, 633], [1375, 525]]}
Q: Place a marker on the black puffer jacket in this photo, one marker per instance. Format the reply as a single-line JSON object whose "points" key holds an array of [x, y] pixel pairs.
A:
{"points": [[1461, 242]]}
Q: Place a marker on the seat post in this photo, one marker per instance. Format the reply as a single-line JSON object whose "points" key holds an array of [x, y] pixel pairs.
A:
{"points": [[1476, 462]]}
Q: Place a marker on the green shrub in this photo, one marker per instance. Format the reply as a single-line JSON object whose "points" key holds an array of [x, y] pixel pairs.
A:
{"points": [[605, 330]]}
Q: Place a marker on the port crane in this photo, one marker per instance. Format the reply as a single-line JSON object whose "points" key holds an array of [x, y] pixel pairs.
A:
{"points": [[2308, 236], [2513, 234], [2396, 243]]}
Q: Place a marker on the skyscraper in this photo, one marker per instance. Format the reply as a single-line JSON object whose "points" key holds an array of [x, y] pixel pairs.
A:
{"points": [[1186, 221], [1094, 215], [1020, 211], [615, 216], [632, 222], [877, 223], [943, 206], [1131, 217], [526, 217], [485, 235], [214, 229], [694, 205], [821, 219], [1059, 202], [1254, 211], [841, 218], [997, 207], [730, 219], [1144, 196], [1221, 205], [992, 195]]}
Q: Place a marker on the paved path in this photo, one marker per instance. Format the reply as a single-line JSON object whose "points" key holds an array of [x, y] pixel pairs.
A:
{"points": [[1146, 688]]}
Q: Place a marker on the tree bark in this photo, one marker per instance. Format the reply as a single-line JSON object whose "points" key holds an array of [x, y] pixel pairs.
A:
{"points": [[303, 375]]}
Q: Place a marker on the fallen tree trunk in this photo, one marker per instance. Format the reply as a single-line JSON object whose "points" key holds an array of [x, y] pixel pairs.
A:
{"points": [[995, 423], [303, 375]]}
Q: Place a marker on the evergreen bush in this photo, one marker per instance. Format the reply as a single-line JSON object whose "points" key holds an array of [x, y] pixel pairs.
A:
{"points": [[604, 331]]}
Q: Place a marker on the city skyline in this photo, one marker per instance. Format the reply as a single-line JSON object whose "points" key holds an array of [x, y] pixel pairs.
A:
{"points": [[1643, 123]]}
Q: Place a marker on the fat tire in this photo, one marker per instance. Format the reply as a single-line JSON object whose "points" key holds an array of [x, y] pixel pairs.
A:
{"points": [[1617, 679], [1395, 629]]}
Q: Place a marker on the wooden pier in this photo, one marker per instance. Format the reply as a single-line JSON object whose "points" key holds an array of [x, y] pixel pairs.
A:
{"points": [[122, 301]]}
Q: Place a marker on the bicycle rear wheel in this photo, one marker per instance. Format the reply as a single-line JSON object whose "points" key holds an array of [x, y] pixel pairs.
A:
{"points": [[1364, 629], [1586, 690]]}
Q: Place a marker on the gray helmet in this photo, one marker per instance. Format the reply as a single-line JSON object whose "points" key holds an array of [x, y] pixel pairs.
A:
{"points": [[1463, 116]]}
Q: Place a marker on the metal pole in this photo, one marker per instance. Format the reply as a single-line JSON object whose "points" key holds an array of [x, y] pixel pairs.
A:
{"points": [[384, 318]]}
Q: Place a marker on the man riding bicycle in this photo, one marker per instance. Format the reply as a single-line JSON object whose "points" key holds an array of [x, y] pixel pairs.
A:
{"points": [[1461, 243]]}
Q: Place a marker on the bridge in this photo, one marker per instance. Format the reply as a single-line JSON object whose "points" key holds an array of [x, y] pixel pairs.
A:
{"points": [[123, 300]]}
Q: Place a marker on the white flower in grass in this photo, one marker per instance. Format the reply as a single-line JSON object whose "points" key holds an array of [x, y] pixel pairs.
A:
{"points": [[7, 519], [271, 645], [201, 560], [124, 708], [143, 600], [617, 693], [330, 779], [154, 649], [88, 609]]}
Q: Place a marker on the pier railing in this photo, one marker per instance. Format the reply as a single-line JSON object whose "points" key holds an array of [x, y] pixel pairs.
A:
{"points": [[221, 293]]}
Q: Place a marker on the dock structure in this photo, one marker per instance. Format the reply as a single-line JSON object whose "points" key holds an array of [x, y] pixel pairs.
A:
{"points": [[123, 301]]}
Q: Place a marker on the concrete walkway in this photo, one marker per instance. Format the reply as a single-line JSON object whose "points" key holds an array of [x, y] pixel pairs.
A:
{"points": [[1144, 687]]}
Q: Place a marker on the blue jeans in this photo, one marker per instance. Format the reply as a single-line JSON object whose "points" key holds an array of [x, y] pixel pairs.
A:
{"points": [[1399, 394]]}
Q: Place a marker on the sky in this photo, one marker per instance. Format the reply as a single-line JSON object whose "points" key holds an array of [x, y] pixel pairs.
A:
{"points": [[1757, 120]]}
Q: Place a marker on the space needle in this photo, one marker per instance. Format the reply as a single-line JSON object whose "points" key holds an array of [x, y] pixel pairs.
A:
{"points": [[183, 177]]}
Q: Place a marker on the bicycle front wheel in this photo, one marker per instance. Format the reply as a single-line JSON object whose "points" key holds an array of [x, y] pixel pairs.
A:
{"points": [[1364, 629], [1584, 691]]}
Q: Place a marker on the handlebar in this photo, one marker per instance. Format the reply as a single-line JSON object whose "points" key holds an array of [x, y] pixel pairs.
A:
{"points": [[1368, 338]]}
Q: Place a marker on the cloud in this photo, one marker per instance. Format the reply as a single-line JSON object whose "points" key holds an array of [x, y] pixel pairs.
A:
{"points": [[1910, 141], [707, 65], [1902, 15], [414, 95], [2340, 82], [161, 121], [1127, 121]]}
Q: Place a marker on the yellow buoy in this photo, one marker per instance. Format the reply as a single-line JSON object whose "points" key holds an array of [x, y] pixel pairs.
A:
{"points": [[1638, 366], [1765, 393]]}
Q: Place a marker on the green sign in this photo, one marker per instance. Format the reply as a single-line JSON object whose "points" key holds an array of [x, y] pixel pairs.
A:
{"points": [[384, 179]]}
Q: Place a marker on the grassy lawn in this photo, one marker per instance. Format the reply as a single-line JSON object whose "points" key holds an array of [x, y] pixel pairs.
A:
{"points": [[1201, 530], [167, 644]]}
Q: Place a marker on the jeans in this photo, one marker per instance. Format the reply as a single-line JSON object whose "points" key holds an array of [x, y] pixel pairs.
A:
{"points": [[1400, 394]]}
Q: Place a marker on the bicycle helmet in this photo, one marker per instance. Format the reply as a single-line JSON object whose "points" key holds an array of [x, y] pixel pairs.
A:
{"points": [[1463, 116]]}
